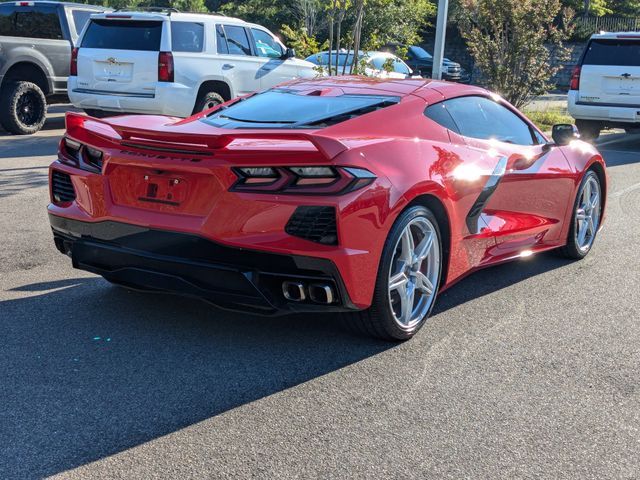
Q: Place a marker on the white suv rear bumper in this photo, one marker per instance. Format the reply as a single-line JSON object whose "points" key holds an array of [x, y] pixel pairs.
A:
{"points": [[168, 99], [605, 113]]}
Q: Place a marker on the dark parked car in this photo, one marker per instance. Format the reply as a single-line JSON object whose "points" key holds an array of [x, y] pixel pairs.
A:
{"points": [[422, 61], [36, 39]]}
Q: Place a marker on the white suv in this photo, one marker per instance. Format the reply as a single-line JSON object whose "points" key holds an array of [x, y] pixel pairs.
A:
{"points": [[605, 85], [173, 63]]}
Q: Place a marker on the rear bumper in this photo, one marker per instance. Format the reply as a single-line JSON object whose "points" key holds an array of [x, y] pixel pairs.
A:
{"points": [[608, 114], [167, 99], [168, 261]]}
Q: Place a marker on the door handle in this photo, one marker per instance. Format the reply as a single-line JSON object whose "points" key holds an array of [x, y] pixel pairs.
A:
{"points": [[228, 66]]}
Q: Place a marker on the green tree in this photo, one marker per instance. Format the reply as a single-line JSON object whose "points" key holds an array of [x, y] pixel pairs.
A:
{"points": [[512, 41]]}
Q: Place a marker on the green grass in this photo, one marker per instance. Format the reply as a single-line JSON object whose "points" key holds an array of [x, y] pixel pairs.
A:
{"points": [[545, 119]]}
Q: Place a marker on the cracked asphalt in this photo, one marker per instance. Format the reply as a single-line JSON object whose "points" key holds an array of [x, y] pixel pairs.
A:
{"points": [[526, 370]]}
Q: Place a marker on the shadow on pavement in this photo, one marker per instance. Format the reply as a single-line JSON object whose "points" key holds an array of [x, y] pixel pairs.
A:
{"points": [[492, 279], [17, 180], [619, 149], [89, 370]]}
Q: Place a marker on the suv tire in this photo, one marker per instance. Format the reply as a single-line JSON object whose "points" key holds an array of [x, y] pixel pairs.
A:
{"points": [[589, 129], [207, 100], [23, 108]]}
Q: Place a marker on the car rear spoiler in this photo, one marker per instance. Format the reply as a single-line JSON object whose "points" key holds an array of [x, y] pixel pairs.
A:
{"points": [[165, 137]]}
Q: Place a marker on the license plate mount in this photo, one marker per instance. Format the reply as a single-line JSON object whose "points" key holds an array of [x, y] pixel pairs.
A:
{"points": [[163, 189]]}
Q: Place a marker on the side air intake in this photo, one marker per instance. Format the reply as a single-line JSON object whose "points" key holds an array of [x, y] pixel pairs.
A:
{"points": [[317, 224], [61, 187]]}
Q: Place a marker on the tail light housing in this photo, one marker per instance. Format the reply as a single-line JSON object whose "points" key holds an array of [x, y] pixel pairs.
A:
{"points": [[574, 84], [73, 66], [298, 180], [165, 67], [79, 155]]}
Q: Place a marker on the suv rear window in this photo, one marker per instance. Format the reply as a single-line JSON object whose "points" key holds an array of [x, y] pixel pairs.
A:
{"points": [[619, 52], [123, 35], [281, 108], [30, 22]]}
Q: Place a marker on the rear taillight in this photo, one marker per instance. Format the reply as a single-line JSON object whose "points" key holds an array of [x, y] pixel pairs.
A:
{"points": [[574, 84], [165, 67], [73, 67], [81, 156], [301, 180]]}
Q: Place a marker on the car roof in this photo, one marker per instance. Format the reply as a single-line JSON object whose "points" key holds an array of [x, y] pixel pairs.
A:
{"points": [[64, 4], [142, 15], [617, 35], [398, 87]]}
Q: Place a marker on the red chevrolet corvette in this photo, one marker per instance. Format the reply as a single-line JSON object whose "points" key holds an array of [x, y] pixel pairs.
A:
{"points": [[356, 195]]}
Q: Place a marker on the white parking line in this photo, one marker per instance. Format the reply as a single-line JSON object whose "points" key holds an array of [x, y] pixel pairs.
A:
{"points": [[625, 190]]}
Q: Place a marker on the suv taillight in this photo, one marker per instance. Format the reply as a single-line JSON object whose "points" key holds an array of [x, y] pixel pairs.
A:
{"points": [[574, 84], [73, 67], [165, 67]]}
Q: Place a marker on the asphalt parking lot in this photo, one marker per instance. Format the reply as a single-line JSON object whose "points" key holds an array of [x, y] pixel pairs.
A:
{"points": [[526, 370]]}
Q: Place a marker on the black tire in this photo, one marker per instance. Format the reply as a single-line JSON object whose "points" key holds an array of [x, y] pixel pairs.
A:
{"points": [[378, 320], [572, 249], [23, 108], [589, 130], [206, 101]]}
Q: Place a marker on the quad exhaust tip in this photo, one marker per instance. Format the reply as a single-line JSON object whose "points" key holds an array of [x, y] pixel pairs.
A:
{"points": [[321, 293], [296, 291]]}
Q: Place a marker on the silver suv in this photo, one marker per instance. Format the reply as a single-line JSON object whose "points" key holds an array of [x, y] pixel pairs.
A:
{"points": [[36, 39]]}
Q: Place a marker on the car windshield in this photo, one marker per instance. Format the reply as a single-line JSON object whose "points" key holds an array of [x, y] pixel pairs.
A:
{"points": [[420, 52], [282, 108]]}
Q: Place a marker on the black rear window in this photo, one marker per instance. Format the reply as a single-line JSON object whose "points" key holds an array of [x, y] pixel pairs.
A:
{"points": [[123, 35], [39, 21], [281, 108], [619, 52]]}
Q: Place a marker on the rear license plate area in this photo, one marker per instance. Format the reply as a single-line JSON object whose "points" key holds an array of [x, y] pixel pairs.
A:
{"points": [[163, 189]]}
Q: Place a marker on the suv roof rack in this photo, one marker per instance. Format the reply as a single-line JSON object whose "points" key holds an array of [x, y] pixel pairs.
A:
{"points": [[167, 10]]}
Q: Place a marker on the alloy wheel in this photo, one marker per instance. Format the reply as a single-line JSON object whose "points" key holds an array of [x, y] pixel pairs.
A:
{"points": [[28, 109], [414, 272], [588, 214]]}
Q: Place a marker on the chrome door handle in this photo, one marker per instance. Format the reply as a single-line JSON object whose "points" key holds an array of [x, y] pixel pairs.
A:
{"points": [[228, 66]]}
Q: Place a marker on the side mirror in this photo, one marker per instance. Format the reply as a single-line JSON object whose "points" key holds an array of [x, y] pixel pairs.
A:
{"points": [[289, 53], [564, 133]]}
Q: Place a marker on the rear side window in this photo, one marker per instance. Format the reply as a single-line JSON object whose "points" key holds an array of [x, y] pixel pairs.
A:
{"points": [[625, 53], [187, 36], [479, 117], [123, 35], [439, 114], [30, 22], [237, 40], [80, 18]]}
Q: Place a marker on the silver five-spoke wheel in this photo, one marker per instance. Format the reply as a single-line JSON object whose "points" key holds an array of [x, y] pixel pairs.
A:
{"points": [[587, 214], [413, 276]]}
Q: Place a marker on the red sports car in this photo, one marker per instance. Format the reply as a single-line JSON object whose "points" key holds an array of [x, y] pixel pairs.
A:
{"points": [[355, 195]]}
